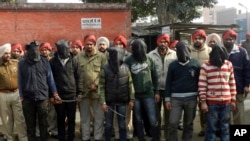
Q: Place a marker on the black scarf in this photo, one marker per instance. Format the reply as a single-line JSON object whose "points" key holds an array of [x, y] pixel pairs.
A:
{"points": [[217, 56], [139, 48], [116, 56], [182, 52]]}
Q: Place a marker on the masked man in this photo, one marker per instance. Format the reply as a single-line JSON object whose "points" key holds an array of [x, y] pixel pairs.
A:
{"points": [[36, 83], [67, 74], [181, 92]]}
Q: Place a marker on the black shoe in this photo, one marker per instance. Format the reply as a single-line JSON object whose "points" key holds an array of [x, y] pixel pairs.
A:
{"points": [[54, 136], [1, 134], [148, 133], [180, 127], [38, 138], [217, 133], [201, 134]]}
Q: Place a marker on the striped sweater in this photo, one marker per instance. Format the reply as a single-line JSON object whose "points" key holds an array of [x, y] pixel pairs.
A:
{"points": [[217, 85]]}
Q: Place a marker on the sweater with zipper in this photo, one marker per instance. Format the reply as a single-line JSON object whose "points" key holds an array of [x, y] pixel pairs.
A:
{"points": [[162, 64]]}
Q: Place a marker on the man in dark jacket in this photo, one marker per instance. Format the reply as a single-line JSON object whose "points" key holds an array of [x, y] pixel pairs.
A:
{"points": [[246, 44], [35, 83], [239, 58], [116, 91], [67, 73]]}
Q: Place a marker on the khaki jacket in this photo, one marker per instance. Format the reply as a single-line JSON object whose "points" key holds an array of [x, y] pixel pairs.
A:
{"points": [[202, 55], [91, 68]]}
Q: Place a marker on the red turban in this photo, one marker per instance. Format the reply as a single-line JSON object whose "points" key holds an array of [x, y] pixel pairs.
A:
{"points": [[89, 38], [199, 32], [173, 44], [229, 33], [163, 37], [45, 45], [122, 39], [248, 35], [76, 43], [16, 46]]}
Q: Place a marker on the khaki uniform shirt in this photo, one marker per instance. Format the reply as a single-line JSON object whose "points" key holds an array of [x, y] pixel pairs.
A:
{"points": [[8, 75], [91, 67]]}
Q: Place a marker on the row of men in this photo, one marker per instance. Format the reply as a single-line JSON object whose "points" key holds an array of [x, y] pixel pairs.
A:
{"points": [[88, 66], [34, 87]]}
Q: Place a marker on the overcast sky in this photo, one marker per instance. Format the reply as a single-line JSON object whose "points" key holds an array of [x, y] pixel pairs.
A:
{"points": [[234, 3], [227, 3]]}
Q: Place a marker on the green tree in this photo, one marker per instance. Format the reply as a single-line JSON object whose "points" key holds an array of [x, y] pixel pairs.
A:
{"points": [[9, 1], [167, 11], [170, 11], [140, 8]]}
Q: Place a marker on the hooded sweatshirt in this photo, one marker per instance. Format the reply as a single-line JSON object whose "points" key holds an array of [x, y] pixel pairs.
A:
{"points": [[143, 71]]}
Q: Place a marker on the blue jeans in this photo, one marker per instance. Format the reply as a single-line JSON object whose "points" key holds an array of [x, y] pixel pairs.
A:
{"points": [[218, 114], [150, 109], [189, 109], [109, 116]]}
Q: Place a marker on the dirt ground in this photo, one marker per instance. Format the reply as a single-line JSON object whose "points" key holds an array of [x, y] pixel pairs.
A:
{"points": [[196, 125]]}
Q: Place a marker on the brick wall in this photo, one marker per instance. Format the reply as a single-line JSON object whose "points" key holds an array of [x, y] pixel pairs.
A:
{"points": [[22, 23]]}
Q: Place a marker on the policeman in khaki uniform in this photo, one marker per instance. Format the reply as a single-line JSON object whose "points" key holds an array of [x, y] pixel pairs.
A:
{"points": [[10, 105], [91, 62]]}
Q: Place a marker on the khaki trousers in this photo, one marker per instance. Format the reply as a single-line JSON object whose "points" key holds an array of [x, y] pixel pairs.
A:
{"points": [[12, 114], [238, 114]]}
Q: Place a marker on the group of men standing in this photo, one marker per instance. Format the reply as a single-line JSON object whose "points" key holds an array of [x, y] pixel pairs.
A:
{"points": [[174, 79]]}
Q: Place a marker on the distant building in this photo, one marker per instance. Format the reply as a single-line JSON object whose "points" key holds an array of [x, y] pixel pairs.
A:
{"points": [[221, 15], [210, 14], [227, 16]]}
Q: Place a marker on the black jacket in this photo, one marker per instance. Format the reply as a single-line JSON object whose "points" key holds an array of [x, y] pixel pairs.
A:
{"points": [[68, 78], [117, 89]]}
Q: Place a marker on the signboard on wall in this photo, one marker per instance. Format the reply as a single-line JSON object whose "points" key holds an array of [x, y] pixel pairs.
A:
{"points": [[91, 23], [165, 29]]}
